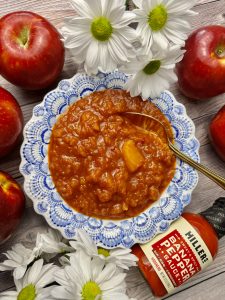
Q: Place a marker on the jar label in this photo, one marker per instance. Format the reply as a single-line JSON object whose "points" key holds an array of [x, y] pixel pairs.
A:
{"points": [[177, 254]]}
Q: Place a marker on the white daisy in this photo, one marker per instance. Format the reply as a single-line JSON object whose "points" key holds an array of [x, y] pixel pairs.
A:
{"points": [[100, 36], [50, 244], [18, 260], [32, 285], [161, 21], [88, 278], [121, 257], [152, 73]]}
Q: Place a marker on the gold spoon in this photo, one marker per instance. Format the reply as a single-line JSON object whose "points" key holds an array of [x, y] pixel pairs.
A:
{"points": [[143, 120]]}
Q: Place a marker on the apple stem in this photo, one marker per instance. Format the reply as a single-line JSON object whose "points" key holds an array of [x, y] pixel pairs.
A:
{"points": [[3, 182], [220, 52], [24, 37]]}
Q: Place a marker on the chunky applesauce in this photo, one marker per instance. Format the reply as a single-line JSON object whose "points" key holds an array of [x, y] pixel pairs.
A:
{"points": [[104, 166]]}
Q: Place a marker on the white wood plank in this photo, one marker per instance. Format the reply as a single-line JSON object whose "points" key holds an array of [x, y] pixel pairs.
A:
{"points": [[210, 12], [212, 288], [200, 2]]}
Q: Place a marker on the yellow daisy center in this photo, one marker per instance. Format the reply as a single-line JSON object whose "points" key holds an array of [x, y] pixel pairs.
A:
{"points": [[101, 29], [152, 67], [103, 252], [157, 17], [27, 293], [90, 291]]}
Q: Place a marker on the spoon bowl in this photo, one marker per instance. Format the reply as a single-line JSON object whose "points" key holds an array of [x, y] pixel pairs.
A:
{"points": [[147, 123]]}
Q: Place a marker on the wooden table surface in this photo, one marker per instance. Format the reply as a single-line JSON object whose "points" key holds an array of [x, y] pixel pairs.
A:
{"points": [[208, 284]]}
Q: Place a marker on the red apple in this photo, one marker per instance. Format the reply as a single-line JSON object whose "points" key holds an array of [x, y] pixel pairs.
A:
{"points": [[12, 203], [31, 52], [201, 73], [217, 132], [11, 122]]}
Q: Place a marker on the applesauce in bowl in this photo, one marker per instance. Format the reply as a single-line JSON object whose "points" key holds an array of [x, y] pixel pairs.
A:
{"points": [[101, 164]]}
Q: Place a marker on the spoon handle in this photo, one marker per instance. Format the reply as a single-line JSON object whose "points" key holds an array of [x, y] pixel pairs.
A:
{"points": [[210, 174]]}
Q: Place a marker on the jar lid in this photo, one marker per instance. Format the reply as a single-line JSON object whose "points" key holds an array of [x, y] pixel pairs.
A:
{"points": [[215, 215]]}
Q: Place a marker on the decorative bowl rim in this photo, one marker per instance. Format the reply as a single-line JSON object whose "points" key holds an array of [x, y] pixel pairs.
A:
{"points": [[106, 233]]}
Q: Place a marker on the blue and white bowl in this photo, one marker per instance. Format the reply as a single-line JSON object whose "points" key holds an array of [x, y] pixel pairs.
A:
{"points": [[47, 202]]}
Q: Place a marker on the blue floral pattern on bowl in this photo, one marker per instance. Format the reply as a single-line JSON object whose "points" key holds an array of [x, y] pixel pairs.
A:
{"points": [[47, 202]]}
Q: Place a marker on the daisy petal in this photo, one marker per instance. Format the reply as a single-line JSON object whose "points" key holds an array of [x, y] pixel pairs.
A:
{"points": [[82, 8], [117, 280], [19, 272], [128, 34], [79, 21], [181, 6], [45, 293], [106, 274], [171, 76], [8, 265], [35, 271], [84, 241], [60, 292], [98, 265], [83, 262], [133, 85], [116, 50], [138, 3], [104, 58], [116, 15], [126, 19], [92, 59], [60, 277], [160, 39], [47, 275], [9, 295], [118, 296], [96, 7]]}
